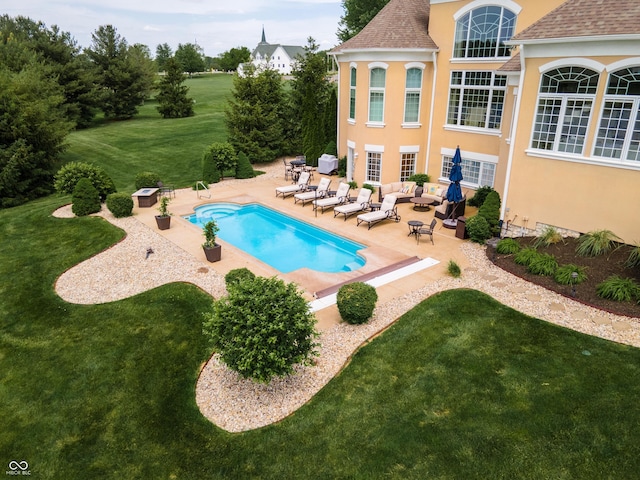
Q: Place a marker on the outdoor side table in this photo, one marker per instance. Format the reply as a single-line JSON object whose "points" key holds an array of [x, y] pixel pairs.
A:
{"points": [[414, 226], [146, 196]]}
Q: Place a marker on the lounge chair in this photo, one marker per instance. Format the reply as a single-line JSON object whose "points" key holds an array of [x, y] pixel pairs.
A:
{"points": [[388, 210], [427, 231], [360, 205], [300, 186], [341, 196], [315, 194]]}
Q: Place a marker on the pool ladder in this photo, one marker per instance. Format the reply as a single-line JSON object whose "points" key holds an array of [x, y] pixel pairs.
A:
{"points": [[199, 184]]}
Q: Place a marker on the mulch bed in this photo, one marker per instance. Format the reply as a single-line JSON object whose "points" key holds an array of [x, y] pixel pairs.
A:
{"points": [[598, 269]]}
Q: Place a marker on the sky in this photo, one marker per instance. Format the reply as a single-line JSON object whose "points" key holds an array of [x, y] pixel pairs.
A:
{"points": [[215, 25]]}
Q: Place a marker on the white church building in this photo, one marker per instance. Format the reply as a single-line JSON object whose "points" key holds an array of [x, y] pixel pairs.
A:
{"points": [[280, 58]]}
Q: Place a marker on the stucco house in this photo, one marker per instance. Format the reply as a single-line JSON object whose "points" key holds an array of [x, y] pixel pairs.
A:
{"points": [[543, 99], [280, 58]]}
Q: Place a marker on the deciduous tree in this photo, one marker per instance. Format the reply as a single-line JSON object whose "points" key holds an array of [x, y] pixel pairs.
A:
{"points": [[190, 57], [357, 13]]}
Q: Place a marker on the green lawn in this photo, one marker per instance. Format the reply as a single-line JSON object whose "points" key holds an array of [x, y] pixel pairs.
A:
{"points": [[460, 387], [171, 147]]}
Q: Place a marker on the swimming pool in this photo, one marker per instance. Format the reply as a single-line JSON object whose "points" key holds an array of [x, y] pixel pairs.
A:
{"points": [[283, 242]]}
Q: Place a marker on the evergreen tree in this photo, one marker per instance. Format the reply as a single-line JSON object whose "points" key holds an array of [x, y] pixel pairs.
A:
{"points": [[85, 198], [254, 115], [163, 54], [172, 97], [123, 82], [490, 210], [243, 167], [311, 93]]}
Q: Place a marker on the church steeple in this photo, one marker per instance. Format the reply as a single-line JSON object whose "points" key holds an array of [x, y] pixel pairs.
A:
{"points": [[264, 38]]}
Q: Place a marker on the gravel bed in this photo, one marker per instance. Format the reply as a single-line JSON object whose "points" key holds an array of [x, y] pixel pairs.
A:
{"points": [[237, 405]]}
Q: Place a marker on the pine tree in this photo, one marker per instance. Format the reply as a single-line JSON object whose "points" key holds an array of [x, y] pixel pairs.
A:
{"points": [[172, 97], [243, 167]]}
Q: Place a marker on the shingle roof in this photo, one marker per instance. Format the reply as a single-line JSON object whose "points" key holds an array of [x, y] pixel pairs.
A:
{"points": [[512, 65], [586, 18], [400, 24]]}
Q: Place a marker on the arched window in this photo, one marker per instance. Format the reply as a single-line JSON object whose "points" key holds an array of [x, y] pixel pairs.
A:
{"points": [[352, 94], [619, 131], [481, 33], [564, 108], [377, 82], [413, 87]]}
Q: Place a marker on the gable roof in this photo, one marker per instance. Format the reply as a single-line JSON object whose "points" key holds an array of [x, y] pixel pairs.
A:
{"points": [[401, 24], [585, 18]]}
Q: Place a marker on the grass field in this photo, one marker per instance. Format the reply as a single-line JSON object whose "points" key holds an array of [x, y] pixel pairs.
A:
{"points": [[171, 147], [461, 387]]}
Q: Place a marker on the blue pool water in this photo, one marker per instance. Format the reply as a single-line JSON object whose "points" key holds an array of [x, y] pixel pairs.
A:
{"points": [[283, 242]]}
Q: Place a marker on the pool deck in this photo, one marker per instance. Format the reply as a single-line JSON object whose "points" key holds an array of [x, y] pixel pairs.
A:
{"points": [[388, 242]]}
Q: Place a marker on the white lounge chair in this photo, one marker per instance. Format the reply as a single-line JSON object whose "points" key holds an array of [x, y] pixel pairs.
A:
{"points": [[360, 205], [300, 186], [388, 210], [317, 193], [341, 196]]}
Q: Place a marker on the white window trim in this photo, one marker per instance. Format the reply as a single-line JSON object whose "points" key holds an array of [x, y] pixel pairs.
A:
{"points": [[571, 62], [370, 123], [373, 149], [513, 6], [409, 66], [353, 88], [472, 156], [468, 128]]}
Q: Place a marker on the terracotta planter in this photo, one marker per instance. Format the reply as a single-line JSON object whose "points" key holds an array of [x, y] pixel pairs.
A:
{"points": [[163, 222], [213, 254]]}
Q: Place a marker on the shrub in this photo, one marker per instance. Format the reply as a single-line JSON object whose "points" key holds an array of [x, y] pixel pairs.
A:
{"points": [[619, 289], [490, 210], [548, 237], [147, 179], [453, 269], [419, 178], [508, 246], [479, 197], [543, 264], [634, 257], [370, 187], [526, 256], [331, 148], [243, 167], [220, 157], [237, 275], [342, 166], [86, 199], [564, 273], [67, 178], [478, 229], [120, 204], [258, 342], [597, 242], [356, 302]]}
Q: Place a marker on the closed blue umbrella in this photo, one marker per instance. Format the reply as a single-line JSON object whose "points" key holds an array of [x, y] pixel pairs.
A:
{"points": [[454, 193]]}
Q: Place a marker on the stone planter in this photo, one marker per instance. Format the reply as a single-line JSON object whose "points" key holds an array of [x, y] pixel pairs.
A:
{"points": [[213, 254], [164, 222]]}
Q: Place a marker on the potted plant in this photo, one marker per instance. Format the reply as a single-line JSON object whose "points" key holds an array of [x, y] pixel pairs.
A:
{"points": [[212, 250], [164, 219]]}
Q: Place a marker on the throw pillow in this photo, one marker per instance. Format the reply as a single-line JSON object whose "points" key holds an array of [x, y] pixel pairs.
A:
{"points": [[433, 189]]}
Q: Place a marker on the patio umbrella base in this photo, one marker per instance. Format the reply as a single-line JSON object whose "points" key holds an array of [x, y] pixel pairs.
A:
{"points": [[451, 223]]}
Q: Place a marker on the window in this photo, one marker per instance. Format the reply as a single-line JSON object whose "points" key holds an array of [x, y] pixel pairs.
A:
{"points": [[413, 86], [481, 33], [352, 95], [619, 131], [376, 94], [407, 165], [475, 173], [476, 99], [564, 108], [374, 166]]}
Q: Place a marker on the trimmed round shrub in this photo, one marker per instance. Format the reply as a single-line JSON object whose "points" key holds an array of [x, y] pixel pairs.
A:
{"points": [[564, 273], [526, 256], [237, 275], [356, 302], [67, 178], [120, 204], [543, 264], [86, 199], [243, 167], [419, 178], [508, 246], [479, 197], [478, 229], [147, 179], [262, 329], [490, 210], [619, 289]]}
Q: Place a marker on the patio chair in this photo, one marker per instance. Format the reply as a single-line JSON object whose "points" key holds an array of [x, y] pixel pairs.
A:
{"points": [[427, 231], [288, 169], [388, 210], [360, 205], [341, 196], [167, 190], [319, 192], [300, 186]]}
